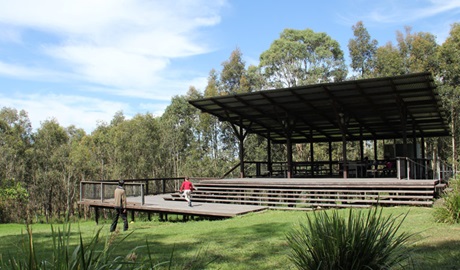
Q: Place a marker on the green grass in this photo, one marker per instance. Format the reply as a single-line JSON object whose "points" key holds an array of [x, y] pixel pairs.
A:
{"points": [[253, 241]]}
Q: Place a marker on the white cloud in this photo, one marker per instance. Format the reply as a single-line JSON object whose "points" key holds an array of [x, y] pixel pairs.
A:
{"points": [[111, 66], [83, 112], [396, 11], [116, 44]]}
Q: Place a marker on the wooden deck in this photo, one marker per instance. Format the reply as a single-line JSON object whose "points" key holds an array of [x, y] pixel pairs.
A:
{"points": [[225, 198], [157, 204]]}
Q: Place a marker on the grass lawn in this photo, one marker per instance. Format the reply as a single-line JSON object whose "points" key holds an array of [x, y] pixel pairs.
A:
{"points": [[252, 241]]}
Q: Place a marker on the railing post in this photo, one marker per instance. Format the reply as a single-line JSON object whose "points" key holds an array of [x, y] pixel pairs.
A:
{"points": [[142, 194], [81, 191], [102, 192], [438, 168], [163, 182], [408, 168]]}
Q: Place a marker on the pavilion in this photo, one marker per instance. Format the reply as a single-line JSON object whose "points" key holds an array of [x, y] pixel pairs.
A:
{"points": [[403, 107]]}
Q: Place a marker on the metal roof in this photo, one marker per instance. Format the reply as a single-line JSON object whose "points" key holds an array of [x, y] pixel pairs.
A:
{"points": [[378, 108]]}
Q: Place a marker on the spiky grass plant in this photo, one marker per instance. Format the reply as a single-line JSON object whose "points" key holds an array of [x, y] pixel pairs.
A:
{"points": [[95, 254], [449, 210], [65, 255], [328, 240]]}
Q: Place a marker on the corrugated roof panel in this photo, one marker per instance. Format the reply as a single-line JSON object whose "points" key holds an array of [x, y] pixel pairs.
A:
{"points": [[372, 108]]}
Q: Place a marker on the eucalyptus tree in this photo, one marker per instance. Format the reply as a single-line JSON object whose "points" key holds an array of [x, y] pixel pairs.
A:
{"points": [[15, 145], [15, 141], [233, 75], [233, 80], [210, 129], [256, 79], [388, 61], [418, 51], [74, 166], [179, 133], [301, 57], [449, 74], [102, 150], [50, 154], [362, 51]]}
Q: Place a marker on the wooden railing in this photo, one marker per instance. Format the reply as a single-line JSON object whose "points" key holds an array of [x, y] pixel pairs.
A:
{"points": [[101, 190], [422, 169], [403, 168]]}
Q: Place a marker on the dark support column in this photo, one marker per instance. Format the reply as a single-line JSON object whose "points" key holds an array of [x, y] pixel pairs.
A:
{"points": [[375, 151], [241, 154], [330, 158], [288, 132], [289, 156], [361, 143], [132, 215], [422, 146], [312, 158], [269, 155], [96, 214], [404, 131], [345, 161], [343, 129], [240, 134], [422, 149]]}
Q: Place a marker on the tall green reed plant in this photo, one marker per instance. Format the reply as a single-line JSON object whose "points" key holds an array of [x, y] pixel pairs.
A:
{"points": [[95, 254], [328, 240], [449, 209]]}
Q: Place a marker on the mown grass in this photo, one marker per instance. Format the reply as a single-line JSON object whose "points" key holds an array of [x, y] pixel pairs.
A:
{"points": [[253, 241]]}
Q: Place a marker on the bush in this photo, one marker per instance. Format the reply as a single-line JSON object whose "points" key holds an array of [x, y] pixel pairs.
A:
{"points": [[13, 201], [328, 240], [449, 210]]}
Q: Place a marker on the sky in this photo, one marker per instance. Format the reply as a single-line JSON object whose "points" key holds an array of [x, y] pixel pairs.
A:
{"points": [[79, 62]]}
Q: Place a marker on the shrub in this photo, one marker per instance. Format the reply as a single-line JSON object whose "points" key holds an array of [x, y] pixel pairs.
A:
{"points": [[328, 240], [449, 210]]}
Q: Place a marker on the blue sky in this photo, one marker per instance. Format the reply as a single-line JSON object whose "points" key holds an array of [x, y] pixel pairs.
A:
{"points": [[81, 61]]}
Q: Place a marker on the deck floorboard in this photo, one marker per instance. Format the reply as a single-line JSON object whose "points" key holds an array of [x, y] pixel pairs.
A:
{"points": [[157, 204]]}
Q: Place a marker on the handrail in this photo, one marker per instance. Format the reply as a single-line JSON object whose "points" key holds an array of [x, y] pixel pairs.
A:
{"points": [[103, 186], [159, 186], [412, 169]]}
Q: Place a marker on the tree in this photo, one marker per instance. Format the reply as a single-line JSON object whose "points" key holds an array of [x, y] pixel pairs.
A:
{"points": [[301, 57], [449, 74], [418, 51], [388, 61], [15, 145], [179, 125], [15, 141], [233, 74], [50, 156], [362, 51]]}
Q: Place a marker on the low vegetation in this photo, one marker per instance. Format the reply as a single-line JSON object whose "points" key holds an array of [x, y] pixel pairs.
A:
{"points": [[359, 241], [252, 241], [448, 209]]}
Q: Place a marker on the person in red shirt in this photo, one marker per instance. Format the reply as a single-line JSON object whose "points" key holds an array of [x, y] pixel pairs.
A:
{"points": [[187, 187]]}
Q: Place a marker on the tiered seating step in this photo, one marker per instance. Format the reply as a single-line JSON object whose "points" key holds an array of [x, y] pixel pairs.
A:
{"points": [[314, 193]]}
